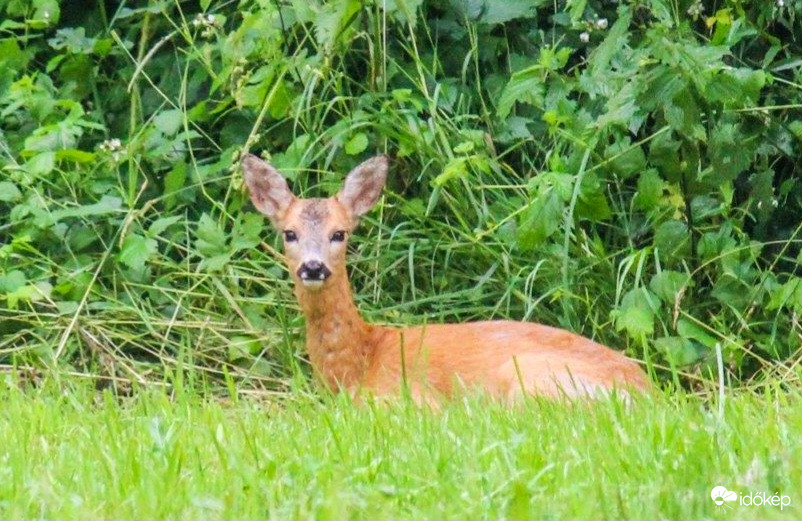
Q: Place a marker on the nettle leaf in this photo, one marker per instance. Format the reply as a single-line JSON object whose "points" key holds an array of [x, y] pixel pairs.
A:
{"points": [[664, 154], [212, 245], [74, 40], [173, 182], [136, 250], [650, 190], [788, 295], [332, 19], [616, 39], [211, 239], [730, 153], [688, 329], [161, 224], [668, 284], [500, 11], [671, 240], [680, 351], [41, 164], [626, 159], [12, 281], [622, 109], [460, 167], [169, 121], [247, 232], [684, 116], [294, 158], [636, 313], [29, 293], [9, 192], [107, 205], [526, 87], [540, 220], [592, 202], [405, 11]]}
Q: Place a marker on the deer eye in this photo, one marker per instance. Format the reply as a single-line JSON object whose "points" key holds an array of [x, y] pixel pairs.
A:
{"points": [[338, 236], [290, 236]]}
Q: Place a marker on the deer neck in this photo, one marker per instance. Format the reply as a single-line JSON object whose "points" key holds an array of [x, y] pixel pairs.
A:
{"points": [[339, 342]]}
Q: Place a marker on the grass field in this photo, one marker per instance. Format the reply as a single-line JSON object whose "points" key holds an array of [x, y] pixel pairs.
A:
{"points": [[74, 453]]}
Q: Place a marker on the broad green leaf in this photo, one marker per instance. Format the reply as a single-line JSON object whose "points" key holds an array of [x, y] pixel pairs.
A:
{"points": [[75, 155], [617, 37], [788, 295], [540, 220], [526, 87], [636, 313], [650, 190], [730, 153], [174, 181], [405, 11], [247, 232], [41, 164], [672, 241], [29, 293], [626, 160], [576, 8], [169, 121], [332, 19], [106, 206], [9, 192], [357, 144], [211, 239], [12, 281], [680, 351], [136, 250], [459, 167], [689, 329], [668, 284], [161, 224], [684, 116], [500, 11]]}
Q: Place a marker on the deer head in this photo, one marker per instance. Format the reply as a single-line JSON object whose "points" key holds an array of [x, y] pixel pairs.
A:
{"points": [[315, 230]]}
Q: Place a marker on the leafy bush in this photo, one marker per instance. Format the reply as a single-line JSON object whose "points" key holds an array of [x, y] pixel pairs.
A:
{"points": [[625, 170]]}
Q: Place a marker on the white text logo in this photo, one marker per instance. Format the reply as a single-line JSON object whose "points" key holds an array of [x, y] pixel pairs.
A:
{"points": [[721, 496]]}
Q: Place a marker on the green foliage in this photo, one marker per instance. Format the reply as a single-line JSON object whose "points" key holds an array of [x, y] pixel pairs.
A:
{"points": [[628, 171]]}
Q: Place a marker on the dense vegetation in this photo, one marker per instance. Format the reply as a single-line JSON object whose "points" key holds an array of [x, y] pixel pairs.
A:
{"points": [[627, 170]]}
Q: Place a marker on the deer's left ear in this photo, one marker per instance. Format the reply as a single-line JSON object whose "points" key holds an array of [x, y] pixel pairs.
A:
{"points": [[363, 186]]}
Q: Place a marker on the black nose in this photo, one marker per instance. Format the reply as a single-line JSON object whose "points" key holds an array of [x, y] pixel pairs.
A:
{"points": [[313, 270]]}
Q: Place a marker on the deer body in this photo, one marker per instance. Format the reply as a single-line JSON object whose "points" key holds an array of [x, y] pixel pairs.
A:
{"points": [[503, 358]]}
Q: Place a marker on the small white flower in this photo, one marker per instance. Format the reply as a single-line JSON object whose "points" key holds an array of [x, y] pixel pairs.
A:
{"points": [[780, 3], [775, 203], [584, 37], [601, 23], [113, 146], [210, 18]]}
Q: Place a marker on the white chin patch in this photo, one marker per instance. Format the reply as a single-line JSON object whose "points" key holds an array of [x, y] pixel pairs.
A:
{"points": [[309, 283]]}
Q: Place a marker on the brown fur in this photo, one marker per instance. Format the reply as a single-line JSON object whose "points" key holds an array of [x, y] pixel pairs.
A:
{"points": [[503, 358]]}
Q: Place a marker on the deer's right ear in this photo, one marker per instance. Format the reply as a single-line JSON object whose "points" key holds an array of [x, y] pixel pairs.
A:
{"points": [[269, 191]]}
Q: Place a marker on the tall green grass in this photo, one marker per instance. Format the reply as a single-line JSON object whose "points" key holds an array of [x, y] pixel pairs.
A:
{"points": [[69, 452]]}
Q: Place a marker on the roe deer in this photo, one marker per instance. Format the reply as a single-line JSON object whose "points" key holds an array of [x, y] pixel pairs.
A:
{"points": [[503, 358]]}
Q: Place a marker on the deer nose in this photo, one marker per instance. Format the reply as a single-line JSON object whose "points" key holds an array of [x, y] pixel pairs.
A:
{"points": [[313, 270]]}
